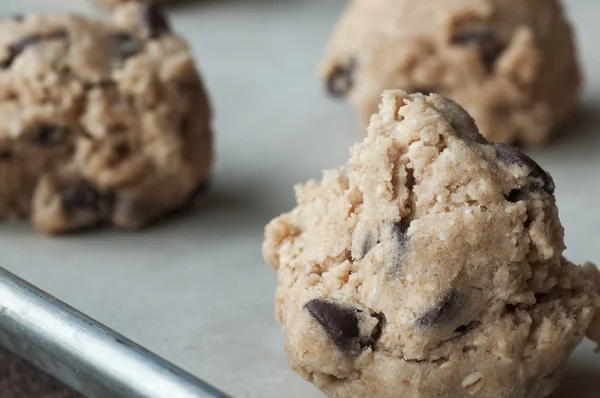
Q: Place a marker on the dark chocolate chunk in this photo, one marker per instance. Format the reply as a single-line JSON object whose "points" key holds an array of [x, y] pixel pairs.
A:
{"points": [[155, 20], [5, 153], [484, 39], [15, 49], [199, 191], [49, 134], [462, 123], [122, 150], [370, 340], [468, 327], [511, 155], [514, 196], [84, 196], [339, 322], [341, 79], [400, 232], [125, 44], [445, 309], [368, 245], [424, 90]]}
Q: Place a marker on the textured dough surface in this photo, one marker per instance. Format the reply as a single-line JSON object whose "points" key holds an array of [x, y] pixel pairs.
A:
{"points": [[429, 266], [100, 121], [510, 63]]}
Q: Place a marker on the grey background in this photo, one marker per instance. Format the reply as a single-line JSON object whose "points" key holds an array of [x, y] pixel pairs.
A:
{"points": [[196, 289]]}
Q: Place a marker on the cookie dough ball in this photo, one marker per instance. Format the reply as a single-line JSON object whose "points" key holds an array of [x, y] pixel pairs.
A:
{"points": [[510, 63], [100, 122], [430, 266]]}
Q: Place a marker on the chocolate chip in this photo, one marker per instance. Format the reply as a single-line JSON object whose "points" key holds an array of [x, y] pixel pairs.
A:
{"points": [[18, 17], [341, 79], [368, 245], [486, 41], [542, 179], [444, 310], [370, 340], [5, 153], [49, 134], [84, 196], [125, 43], [467, 328], [199, 191], [400, 232], [462, 123], [15, 49], [122, 150], [155, 20], [514, 196], [424, 90], [339, 322]]}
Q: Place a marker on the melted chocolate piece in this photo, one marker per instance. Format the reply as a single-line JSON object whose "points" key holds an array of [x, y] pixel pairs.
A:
{"points": [[462, 123], [127, 46], [424, 90], [84, 196], [155, 20], [15, 49], [339, 322], [400, 232], [511, 155], [341, 80], [448, 306], [486, 42], [49, 134]]}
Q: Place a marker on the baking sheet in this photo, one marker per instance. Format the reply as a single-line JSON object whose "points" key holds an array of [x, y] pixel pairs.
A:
{"points": [[196, 290]]}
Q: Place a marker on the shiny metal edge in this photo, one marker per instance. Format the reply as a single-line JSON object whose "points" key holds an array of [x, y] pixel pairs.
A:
{"points": [[84, 354]]}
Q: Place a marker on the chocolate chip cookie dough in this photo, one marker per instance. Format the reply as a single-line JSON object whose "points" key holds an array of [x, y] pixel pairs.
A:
{"points": [[100, 122], [429, 266], [510, 63]]}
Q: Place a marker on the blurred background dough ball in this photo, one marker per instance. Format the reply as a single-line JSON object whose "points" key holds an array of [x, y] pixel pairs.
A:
{"points": [[511, 63]]}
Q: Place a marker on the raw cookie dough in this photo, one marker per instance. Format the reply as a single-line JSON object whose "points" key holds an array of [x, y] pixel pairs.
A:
{"points": [[510, 63], [430, 266], [100, 122]]}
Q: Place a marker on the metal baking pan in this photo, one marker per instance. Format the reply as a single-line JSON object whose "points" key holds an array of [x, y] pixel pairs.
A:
{"points": [[84, 354]]}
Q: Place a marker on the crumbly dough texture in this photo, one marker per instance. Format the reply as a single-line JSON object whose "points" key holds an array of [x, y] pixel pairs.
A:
{"points": [[101, 121], [430, 266], [510, 63]]}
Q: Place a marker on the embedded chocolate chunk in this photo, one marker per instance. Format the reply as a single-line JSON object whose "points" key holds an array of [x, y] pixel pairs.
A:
{"points": [[462, 123], [542, 179], [5, 153], [486, 42], [368, 245], [448, 306], [49, 134], [15, 49], [155, 20], [375, 333], [424, 90], [126, 44], [84, 196], [401, 232], [341, 79], [514, 196], [339, 322]]}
